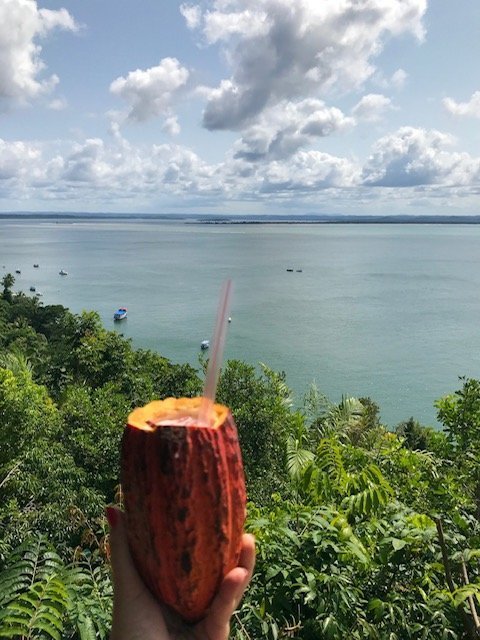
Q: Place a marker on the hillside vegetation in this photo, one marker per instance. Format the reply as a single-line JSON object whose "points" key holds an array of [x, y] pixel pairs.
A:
{"points": [[364, 531]]}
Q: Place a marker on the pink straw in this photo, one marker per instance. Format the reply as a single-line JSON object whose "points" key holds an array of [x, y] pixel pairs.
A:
{"points": [[215, 361]]}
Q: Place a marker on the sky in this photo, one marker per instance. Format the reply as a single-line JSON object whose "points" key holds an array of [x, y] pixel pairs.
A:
{"points": [[240, 106]]}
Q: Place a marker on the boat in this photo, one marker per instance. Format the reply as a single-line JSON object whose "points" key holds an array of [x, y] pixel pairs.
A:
{"points": [[205, 344], [291, 270], [120, 313], [36, 266], [17, 271], [32, 289], [62, 272]]}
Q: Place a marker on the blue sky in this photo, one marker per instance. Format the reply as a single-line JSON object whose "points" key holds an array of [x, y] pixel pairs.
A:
{"points": [[240, 106]]}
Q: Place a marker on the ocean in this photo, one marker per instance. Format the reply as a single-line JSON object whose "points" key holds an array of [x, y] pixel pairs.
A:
{"points": [[389, 311]]}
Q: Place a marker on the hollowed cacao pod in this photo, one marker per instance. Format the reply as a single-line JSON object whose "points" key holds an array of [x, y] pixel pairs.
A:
{"points": [[184, 495]]}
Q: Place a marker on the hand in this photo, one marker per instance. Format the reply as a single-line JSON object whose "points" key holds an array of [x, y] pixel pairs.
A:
{"points": [[136, 613]]}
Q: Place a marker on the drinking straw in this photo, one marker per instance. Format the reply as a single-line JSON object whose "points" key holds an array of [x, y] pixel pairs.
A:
{"points": [[215, 361]]}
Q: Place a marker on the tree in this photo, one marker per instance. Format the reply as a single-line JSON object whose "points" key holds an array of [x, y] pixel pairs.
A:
{"points": [[460, 415], [260, 404], [92, 426], [7, 282], [415, 436], [39, 478]]}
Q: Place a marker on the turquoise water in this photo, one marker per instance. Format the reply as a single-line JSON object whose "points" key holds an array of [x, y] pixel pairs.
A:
{"points": [[388, 311]]}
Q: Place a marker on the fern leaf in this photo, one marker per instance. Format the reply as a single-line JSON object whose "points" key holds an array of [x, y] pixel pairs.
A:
{"points": [[298, 459], [54, 620], [368, 491], [87, 629], [90, 593], [11, 632], [20, 608], [48, 628], [15, 620], [329, 461]]}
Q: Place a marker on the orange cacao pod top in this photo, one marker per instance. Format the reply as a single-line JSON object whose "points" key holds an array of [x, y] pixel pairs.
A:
{"points": [[184, 493]]}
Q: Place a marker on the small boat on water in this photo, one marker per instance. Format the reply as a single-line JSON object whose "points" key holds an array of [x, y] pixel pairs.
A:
{"points": [[17, 271], [32, 289], [291, 270], [205, 344], [62, 272], [36, 266], [120, 313]]}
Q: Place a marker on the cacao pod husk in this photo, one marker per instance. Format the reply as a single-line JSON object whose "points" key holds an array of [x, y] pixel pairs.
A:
{"points": [[184, 497]]}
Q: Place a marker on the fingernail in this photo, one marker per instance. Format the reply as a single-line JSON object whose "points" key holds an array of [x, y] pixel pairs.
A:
{"points": [[112, 516]]}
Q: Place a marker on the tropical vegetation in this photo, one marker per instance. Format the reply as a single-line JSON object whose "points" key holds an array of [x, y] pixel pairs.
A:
{"points": [[364, 530]]}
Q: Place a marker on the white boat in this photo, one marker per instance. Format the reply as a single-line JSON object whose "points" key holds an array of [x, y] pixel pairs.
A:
{"points": [[204, 345], [62, 272], [120, 314]]}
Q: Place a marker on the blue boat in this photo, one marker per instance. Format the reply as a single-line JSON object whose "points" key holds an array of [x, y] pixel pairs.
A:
{"points": [[120, 314]]}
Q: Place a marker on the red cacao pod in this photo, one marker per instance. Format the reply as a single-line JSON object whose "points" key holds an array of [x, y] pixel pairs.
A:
{"points": [[184, 496]]}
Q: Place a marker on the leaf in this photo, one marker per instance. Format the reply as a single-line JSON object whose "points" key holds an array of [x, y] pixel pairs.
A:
{"points": [[48, 628], [398, 544], [462, 593]]}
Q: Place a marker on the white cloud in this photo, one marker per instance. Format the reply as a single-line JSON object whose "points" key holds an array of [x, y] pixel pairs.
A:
{"points": [[281, 130], [58, 104], [281, 50], [192, 15], [171, 126], [16, 158], [126, 171], [309, 171], [411, 157], [219, 25], [22, 24], [97, 172], [150, 93], [398, 79], [372, 107], [470, 108]]}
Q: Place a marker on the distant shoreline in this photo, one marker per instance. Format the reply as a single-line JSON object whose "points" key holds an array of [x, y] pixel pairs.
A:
{"points": [[243, 219]]}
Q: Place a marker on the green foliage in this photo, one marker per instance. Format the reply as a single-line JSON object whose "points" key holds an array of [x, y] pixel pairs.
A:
{"points": [[344, 511], [460, 416], [92, 427], [321, 477], [39, 479], [416, 436], [261, 406], [7, 283], [43, 597], [318, 576]]}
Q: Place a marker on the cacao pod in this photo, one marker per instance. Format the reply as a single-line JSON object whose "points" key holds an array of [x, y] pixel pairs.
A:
{"points": [[184, 496]]}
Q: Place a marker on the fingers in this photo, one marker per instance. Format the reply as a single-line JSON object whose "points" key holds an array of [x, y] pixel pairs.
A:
{"points": [[136, 614], [125, 577], [247, 554], [217, 623]]}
